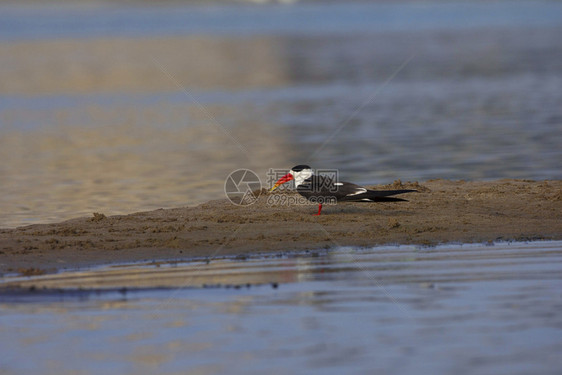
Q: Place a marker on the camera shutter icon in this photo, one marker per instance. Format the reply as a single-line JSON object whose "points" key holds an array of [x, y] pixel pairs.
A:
{"points": [[242, 187]]}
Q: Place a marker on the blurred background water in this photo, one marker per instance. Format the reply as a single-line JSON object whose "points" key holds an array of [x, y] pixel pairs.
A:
{"points": [[117, 108]]}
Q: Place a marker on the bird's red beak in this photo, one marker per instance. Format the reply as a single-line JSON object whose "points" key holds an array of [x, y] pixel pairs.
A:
{"points": [[288, 177]]}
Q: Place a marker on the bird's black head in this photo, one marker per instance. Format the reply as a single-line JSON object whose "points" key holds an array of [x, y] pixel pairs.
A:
{"points": [[299, 168]]}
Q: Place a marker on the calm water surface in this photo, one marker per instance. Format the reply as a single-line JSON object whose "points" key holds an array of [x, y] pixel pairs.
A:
{"points": [[120, 109], [469, 309]]}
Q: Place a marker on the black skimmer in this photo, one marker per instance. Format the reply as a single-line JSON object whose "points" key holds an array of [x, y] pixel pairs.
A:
{"points": [[321, 189]]}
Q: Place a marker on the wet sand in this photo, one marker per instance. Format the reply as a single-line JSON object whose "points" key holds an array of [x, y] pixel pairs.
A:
{"points": [[441, 212]]}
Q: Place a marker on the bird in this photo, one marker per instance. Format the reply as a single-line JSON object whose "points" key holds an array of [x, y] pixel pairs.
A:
{"points": [[323, 189]]}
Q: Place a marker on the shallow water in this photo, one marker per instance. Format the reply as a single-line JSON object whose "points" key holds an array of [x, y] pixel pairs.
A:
{"points": [[120, 109], [394, 309]]}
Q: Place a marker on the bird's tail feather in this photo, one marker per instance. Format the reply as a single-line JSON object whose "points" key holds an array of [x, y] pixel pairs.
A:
{"points": [[386, 193], [385, 199]]}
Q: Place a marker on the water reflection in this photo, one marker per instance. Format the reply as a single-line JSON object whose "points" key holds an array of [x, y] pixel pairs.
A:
{"points": [[470, 307]]}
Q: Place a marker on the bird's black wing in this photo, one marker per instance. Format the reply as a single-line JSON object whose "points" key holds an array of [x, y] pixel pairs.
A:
{"points": [[321, 187]]}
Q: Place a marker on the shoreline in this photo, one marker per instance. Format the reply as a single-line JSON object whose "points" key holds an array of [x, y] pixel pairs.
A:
{"points": [[443, 211], [138, 277]]}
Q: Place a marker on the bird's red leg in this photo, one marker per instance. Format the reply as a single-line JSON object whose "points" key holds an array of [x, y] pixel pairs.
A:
{"points": [[319, 210]]}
